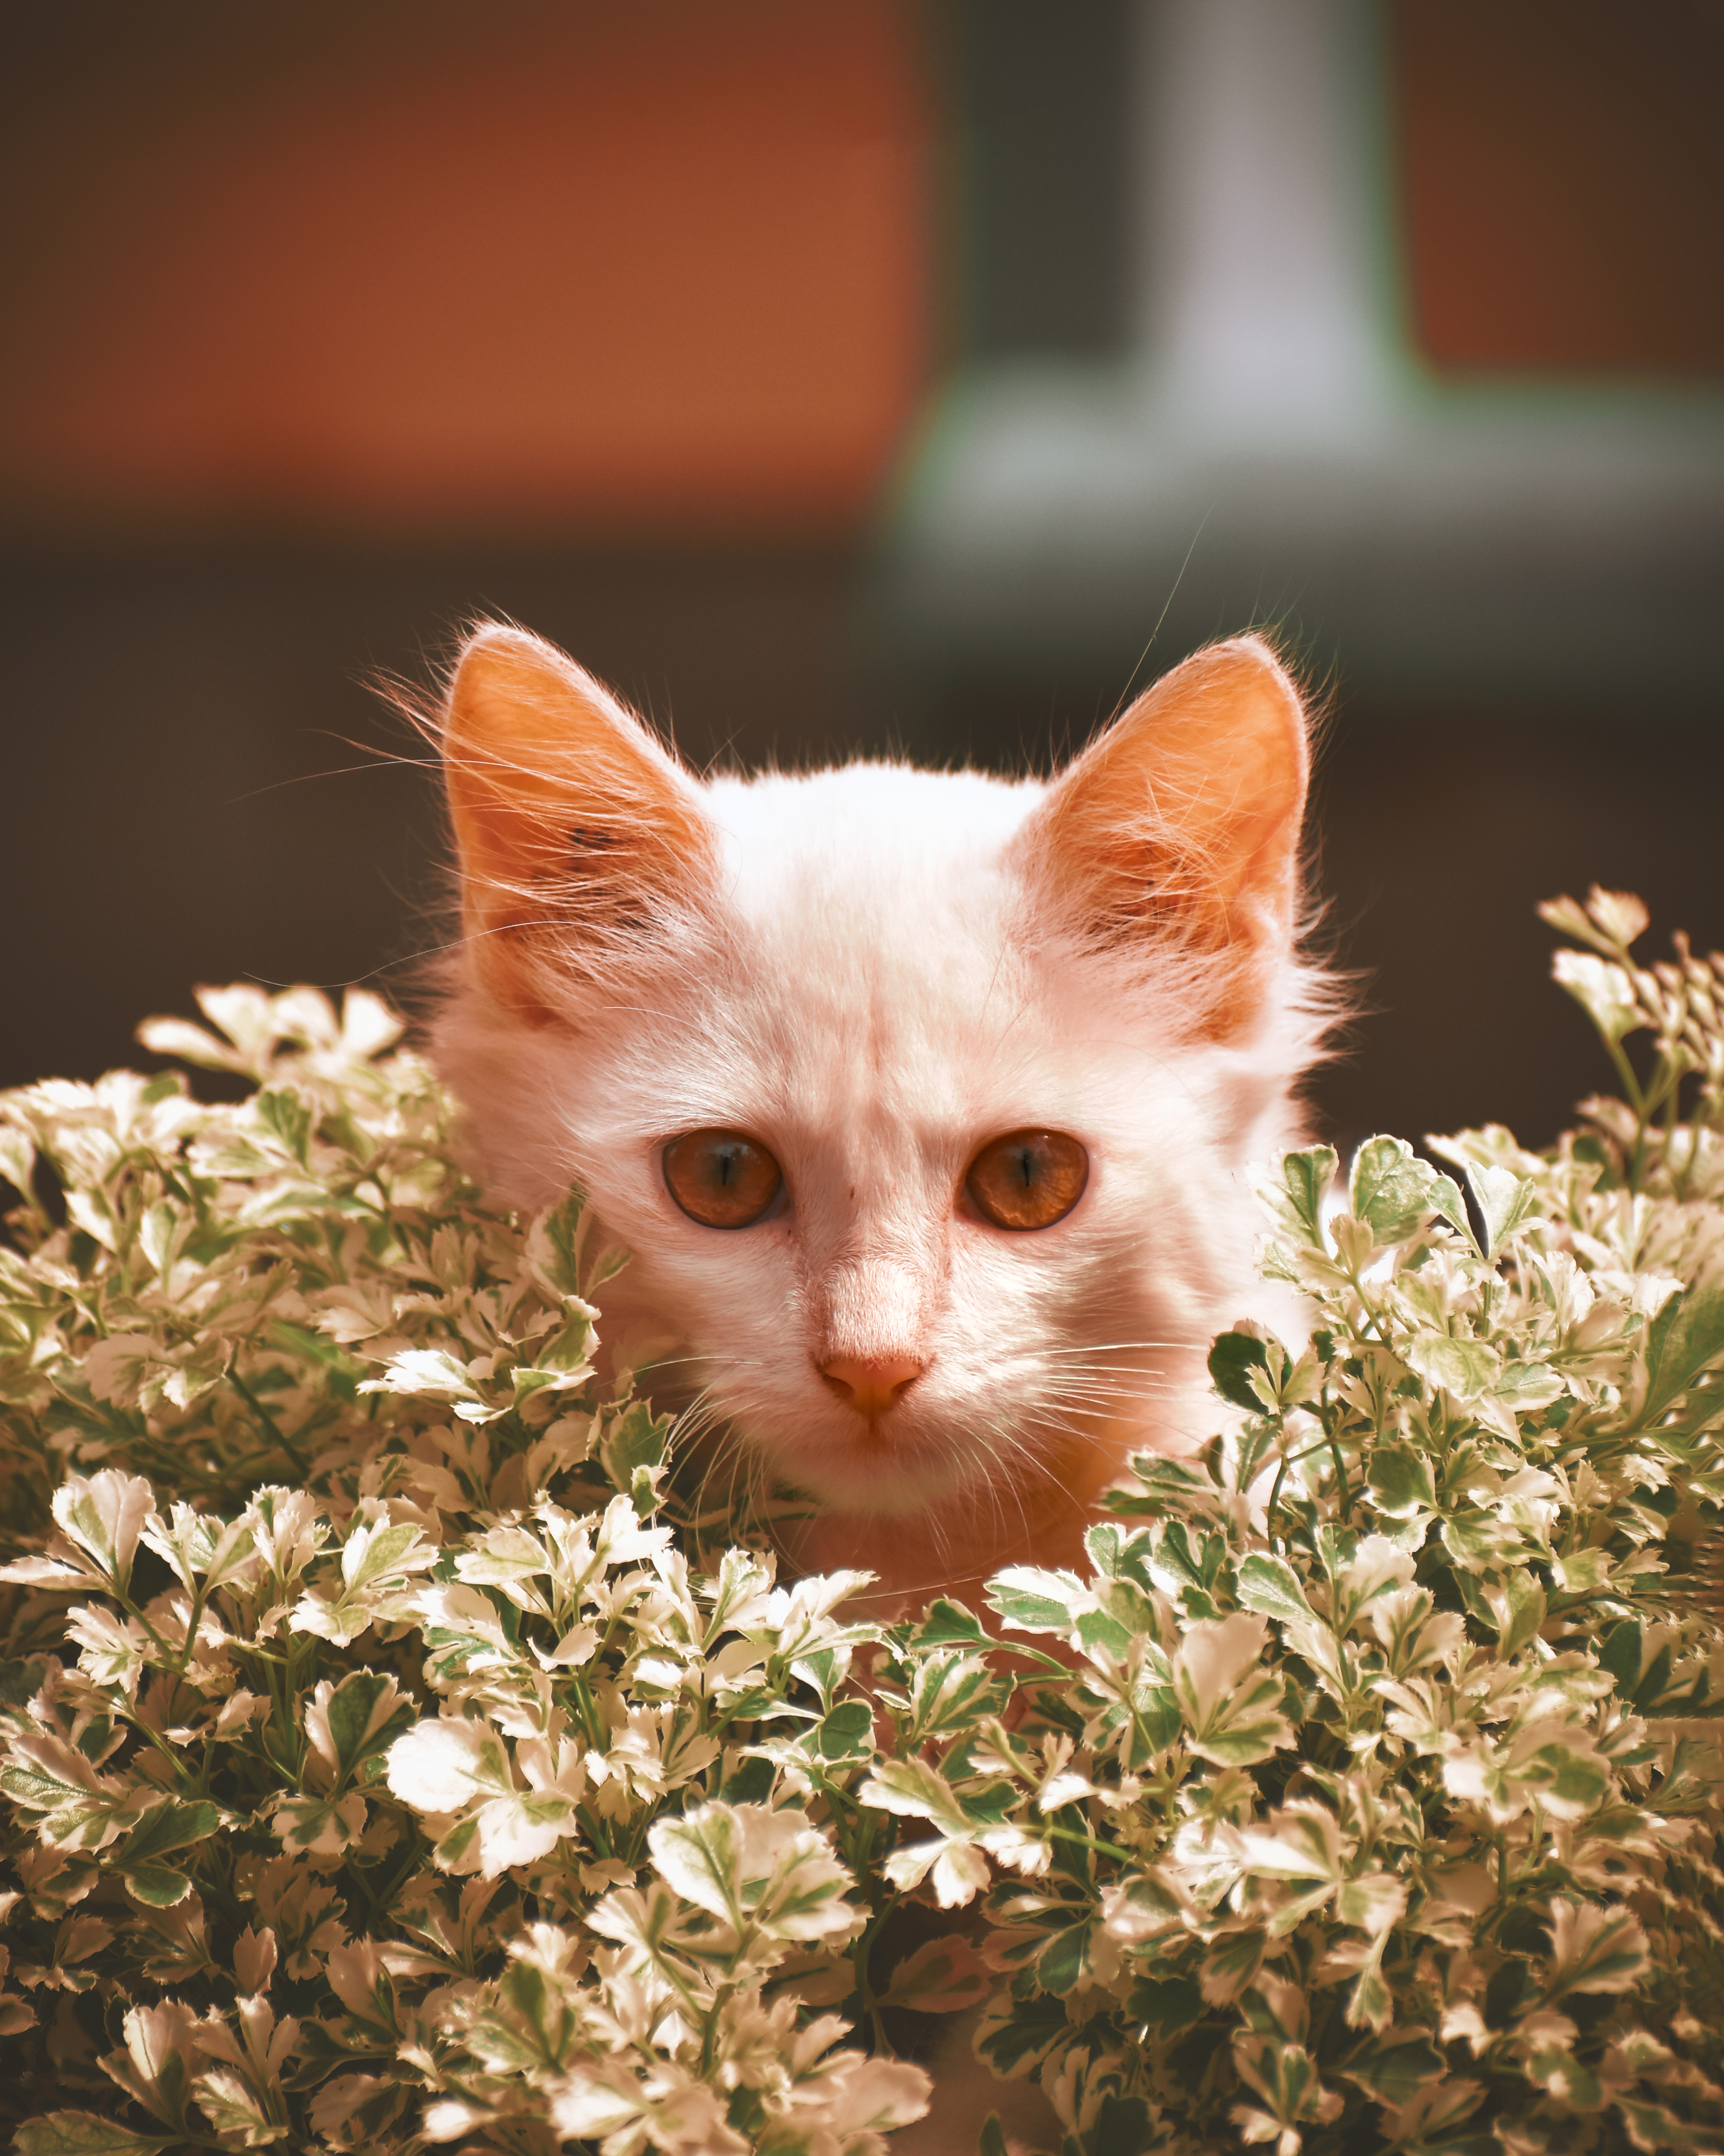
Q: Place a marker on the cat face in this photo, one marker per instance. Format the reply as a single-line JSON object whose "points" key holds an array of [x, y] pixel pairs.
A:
{"points": [[920, 1098]]}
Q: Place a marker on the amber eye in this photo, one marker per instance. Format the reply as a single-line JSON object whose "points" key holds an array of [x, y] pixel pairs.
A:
{"points": [[1028, 1179], [722, 1178]]}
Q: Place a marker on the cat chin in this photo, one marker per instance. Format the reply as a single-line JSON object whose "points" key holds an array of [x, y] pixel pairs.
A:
{"points": [[895, 1470], [873, 1480]]}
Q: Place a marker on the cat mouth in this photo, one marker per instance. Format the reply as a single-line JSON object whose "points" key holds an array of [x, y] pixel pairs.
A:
{"points": [[883, 1421]]}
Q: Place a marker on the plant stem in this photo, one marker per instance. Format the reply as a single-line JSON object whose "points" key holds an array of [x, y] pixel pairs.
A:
{"points": [[272, 1428]]}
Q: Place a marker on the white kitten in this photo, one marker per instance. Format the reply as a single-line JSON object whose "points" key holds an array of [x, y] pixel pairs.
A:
{"points": [[923, 1099]]}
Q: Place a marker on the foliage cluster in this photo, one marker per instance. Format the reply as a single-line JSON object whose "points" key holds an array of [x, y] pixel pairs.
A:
{"points": [[391, 1757]]}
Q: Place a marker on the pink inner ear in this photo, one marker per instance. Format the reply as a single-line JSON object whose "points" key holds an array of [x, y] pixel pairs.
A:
{"points": [[574, 828], [1181, 823]]}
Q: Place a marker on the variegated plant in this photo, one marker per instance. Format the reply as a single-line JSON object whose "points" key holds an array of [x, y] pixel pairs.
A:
{"points": [[394, 1757]]}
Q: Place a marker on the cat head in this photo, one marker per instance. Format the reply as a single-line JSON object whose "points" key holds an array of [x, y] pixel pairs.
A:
{"points": [[921, 1098]]}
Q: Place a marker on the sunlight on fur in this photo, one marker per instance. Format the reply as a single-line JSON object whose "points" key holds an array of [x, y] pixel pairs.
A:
{"points": [[867, 974]]}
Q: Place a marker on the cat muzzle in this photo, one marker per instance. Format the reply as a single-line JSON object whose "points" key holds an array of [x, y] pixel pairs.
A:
{"points": [[872, 1384]]}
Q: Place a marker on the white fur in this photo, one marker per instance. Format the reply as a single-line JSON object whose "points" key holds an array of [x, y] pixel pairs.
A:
{"points": [[874, 1004]]}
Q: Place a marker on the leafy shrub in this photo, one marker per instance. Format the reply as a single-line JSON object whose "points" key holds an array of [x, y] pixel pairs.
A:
{"points": [[393, 1755]]}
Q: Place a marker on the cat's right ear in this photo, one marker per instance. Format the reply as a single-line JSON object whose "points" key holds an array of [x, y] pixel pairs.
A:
{"points": [[1178, 829], [580, 841]]}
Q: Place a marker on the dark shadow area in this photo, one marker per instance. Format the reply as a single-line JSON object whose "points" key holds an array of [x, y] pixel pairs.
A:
{"points": [[1437, 833], [201, 785], [1040, 101]]}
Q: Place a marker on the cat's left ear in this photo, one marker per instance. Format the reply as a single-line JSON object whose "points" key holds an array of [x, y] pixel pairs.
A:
{"points": [[582, 843], [1181, 826]]}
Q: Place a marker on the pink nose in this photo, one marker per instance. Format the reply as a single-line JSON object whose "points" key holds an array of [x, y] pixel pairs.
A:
{"points": [[872, 1383]]}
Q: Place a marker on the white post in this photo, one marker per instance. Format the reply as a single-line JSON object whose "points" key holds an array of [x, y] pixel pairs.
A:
{"points": [[1258, 307], [1270, 449]]}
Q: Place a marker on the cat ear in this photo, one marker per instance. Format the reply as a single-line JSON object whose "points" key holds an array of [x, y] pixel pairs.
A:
{"points": [[1181, 824], [581, 840]]}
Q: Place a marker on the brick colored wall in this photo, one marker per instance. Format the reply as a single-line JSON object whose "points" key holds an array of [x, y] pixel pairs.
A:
{"points": [[659, 265]]}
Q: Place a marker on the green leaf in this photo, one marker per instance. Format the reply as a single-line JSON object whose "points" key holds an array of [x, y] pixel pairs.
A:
{"points": [[1583, 1573], [1169, 1486], [1231, 1703], [156, 1885], [81, 2133], [557, 1240], [913, 1787], [1390, 1187], [947, 1623], [1651, 2126], [741, 1861], [1592, 1949], [21, 1680], [1685, 1338], [320, 1825], [948, 1691], [1230, 1965], [169, 1827], [1464, 1369], [804, 1897], [1270, 1586], [1525, 1387], [1158, 1720], [1292, 1191], [1015, 2035], [1604, 991], [1099, 1634], [752, 1782], [1122, 2126], [344, 1371], [1033, 1600], [568, 1349], [1307, 1176], [459, 1849], [1575, 1780], [633, 1440], [1169, 2005], [1284, 2074], [1400, 1481], [78, 1816], [1174, 1565], [1620, 1654], [1232, 1359], [1396, 2068], [287, 1119], [846, 1734], [944, 1975], [1446, 1199], [987, 1804], [359, 1715], [1506, 1201], [1555, 2067], [373, 1554], [1521, 1608], [1104, 1543]]}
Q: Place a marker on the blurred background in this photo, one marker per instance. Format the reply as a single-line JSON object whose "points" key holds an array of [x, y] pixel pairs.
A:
{"points": [[912, 375]]}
